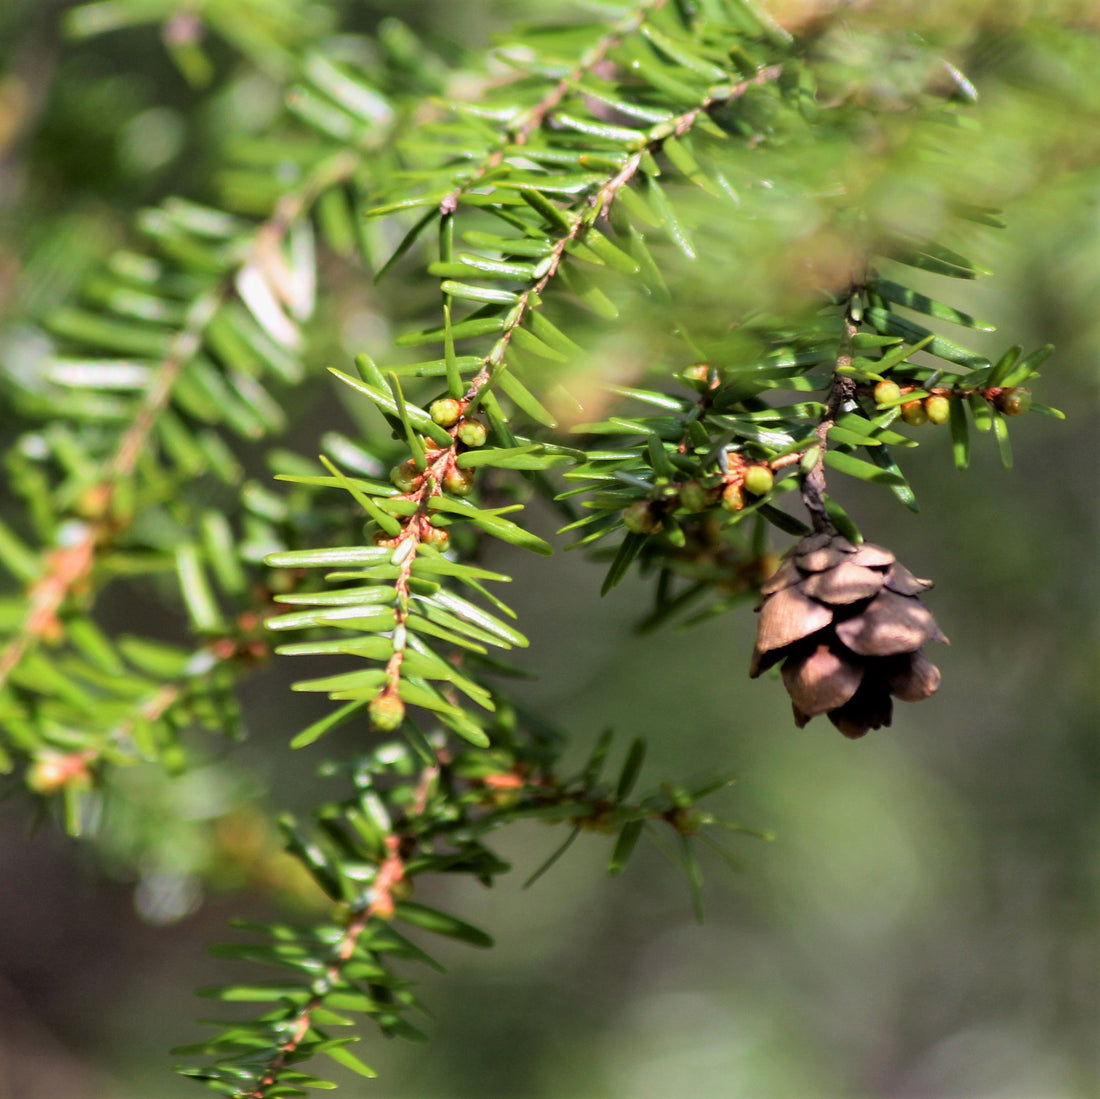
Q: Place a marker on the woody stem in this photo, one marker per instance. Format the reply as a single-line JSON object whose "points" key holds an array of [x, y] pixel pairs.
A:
{"points": [[842, 390]]}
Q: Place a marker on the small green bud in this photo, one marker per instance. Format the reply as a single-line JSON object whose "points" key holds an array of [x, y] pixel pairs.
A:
{"points": [[732, 499], [1014, 401], [759, 480], [886, 392], [446, 411], [694, 497], [405, 476], [640, 519], [387, 711], [473, 433], [912, 412], [459, 482], [435, 536], [938, 409]]}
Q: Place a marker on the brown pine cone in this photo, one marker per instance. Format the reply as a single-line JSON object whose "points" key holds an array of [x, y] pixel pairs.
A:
{"points": [[848, 625]]}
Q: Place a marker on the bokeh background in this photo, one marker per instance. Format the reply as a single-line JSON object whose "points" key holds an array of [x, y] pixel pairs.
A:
{"points": [[923, 924]]}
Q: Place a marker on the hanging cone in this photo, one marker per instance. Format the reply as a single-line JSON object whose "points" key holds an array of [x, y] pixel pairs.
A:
{"points": [[847, 623]]}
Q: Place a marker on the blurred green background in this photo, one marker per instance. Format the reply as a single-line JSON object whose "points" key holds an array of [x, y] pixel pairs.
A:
{"points": [[924, 924]]}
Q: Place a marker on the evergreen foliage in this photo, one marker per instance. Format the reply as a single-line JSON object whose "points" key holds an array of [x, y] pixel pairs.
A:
{"points": [[610, 170]]}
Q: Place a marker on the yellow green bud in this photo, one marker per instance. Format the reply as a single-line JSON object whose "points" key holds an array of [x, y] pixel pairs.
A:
{"points": [[732, 499], [1014, 401], [459, 482], [387, 711], [405, 476], [887, 392], [446, 411], [912, 412], [435, 536], [694, 497], [473, 433], [938, 409], [759, 480]]}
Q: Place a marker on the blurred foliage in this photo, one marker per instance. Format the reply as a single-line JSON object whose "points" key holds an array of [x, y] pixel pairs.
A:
{"points": [[673, 264]]}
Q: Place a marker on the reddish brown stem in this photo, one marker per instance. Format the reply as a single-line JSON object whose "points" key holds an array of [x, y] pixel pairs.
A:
{"points": [[841, 391]]}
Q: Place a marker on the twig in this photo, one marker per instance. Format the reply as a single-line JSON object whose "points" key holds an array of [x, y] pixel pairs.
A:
{"points": [[841, 392]]}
